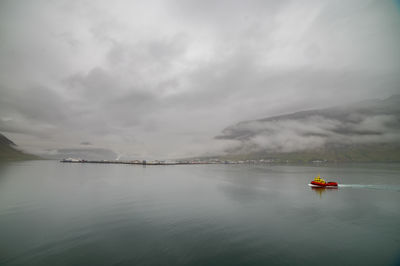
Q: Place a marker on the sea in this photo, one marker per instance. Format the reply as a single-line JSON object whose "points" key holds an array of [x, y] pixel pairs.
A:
{"points": [[54, 213]]}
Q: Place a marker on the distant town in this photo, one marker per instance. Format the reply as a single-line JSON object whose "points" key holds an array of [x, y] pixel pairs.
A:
{"points": [[180, 162]]}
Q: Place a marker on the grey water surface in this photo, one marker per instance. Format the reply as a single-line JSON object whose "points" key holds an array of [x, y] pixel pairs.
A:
{"points": [[93, 214]]}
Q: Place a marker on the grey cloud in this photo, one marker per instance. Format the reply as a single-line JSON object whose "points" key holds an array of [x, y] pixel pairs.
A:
{"points": [[37, 111], [132, 108], [97, 84], [161, 78], [147, 62], [37, 103], [228, 14]]}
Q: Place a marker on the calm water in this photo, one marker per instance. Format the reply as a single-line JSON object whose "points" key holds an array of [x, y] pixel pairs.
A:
{"points": [[87, 214]]}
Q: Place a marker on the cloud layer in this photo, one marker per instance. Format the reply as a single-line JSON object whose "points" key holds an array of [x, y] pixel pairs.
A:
{"points": [[362, 123], [154, 79]]}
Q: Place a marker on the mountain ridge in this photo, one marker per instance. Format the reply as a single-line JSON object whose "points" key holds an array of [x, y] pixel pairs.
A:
{"points": [[352, 132]]}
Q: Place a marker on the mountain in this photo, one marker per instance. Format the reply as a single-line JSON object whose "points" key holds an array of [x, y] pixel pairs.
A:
{"points": [[363, 131], [9, 151]]}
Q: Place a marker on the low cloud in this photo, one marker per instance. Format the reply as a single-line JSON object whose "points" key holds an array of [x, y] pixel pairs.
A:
{"points": [[378, 123], [81, 153]]}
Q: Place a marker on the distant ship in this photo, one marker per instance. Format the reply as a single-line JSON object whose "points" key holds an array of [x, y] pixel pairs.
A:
{"points": [[320, 182]]}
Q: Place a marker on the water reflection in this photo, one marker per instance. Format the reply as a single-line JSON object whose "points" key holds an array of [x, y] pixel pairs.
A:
{"points": [[322, 190], [75, 214]]}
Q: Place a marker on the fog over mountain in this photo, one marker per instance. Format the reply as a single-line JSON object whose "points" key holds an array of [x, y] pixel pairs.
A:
{"points": [[10, 151], [368, 122], [160, 79]]}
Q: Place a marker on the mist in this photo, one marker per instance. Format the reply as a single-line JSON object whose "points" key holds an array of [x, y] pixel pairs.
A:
{"points": [[362, 123]]}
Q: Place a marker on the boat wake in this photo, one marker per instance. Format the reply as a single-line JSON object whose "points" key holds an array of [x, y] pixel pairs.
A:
{"points": [[379, 187]]}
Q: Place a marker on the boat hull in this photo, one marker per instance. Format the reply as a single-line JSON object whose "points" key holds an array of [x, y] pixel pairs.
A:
{"points": [[323, 185]]}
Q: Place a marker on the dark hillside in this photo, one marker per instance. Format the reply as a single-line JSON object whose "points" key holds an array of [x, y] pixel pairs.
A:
{"points": [[9, 151]]}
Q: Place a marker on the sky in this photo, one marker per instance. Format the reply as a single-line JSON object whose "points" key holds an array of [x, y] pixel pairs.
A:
{"points": [[161, 79]]}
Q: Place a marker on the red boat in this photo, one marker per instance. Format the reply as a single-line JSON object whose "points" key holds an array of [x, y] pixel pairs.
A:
{"points": [[320, 182]]}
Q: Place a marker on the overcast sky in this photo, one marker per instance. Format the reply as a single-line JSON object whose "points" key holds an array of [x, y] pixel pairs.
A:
{"points": [[160, 79]]}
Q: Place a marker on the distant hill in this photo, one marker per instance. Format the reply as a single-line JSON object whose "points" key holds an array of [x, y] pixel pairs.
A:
{"points": [[9, 151], [367, 131]]}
